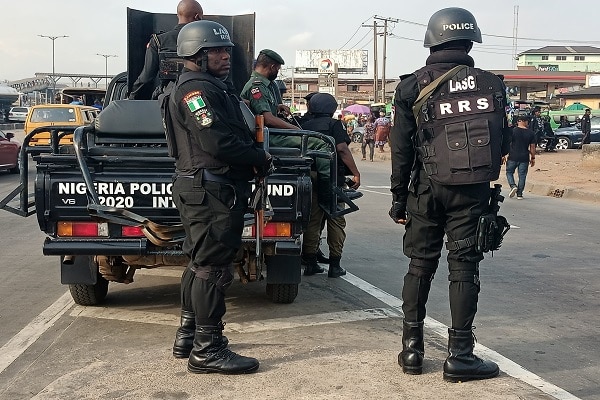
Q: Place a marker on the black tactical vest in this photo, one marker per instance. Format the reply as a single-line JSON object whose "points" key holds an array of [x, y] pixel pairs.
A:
{"points": [[460, 126], [170, 65]]}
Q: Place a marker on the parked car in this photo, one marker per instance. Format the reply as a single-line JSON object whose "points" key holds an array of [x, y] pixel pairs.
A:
{"points": [[18, 114], [571, 137], [57, 115], [9, 153]]}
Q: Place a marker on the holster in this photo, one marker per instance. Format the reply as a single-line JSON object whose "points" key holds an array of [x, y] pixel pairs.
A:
{"points": [[491, 229]]}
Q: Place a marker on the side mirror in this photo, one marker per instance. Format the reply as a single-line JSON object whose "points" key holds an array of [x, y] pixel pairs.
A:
{"points": [[10, 135]]}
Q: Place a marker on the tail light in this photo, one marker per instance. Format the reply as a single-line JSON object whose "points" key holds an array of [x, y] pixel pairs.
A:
{"points": [[272, 229], [82, 229], [132, 231]]}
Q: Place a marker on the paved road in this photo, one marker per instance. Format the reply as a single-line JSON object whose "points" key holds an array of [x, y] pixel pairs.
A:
{"points": [[339, 339]]}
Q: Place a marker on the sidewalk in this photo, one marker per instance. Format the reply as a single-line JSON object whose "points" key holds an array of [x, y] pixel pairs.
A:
{"points": [[559, 174]]}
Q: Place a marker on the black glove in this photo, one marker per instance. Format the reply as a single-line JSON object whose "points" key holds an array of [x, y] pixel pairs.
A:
{"points": [[266, 169], [398, 210]]}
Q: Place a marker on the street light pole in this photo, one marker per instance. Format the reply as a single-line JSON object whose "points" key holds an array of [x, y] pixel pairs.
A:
{"points": [[106, 67], [53, 38]]}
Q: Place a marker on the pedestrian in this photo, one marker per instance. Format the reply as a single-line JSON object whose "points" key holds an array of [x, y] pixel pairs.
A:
{"points": [[443, 160], [368, 139], [215, 157], [520, 156], [537, 124], [382, 131], [322, 106], [586, 126], [160, 49], [262, 95]]}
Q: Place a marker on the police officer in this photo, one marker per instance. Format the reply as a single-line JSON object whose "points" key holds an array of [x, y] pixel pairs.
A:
{"points": [[430, 209], [263, 96], [161, 47], [215, 159], [322, 107]]}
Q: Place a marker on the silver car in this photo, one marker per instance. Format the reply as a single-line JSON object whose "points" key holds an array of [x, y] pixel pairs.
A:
{"points": [[18, 114]]}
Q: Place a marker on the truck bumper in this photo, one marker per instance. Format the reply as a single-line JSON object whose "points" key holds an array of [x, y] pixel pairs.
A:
{"points": [[107, 247]]}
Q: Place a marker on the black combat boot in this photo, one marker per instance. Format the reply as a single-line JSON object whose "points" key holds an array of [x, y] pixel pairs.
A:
{"points": [[312, 267], [184, 337], [335, 271], [211, 355], [461, 364], [413, 350], [321, 258]]}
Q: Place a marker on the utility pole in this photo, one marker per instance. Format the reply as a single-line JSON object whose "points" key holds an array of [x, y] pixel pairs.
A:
{"points": [[385, 34], [515, 33], [106, 67], [375, 67], [53, 38]]}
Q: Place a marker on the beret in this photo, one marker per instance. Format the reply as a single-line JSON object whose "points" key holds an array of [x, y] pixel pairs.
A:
{"points": [[272, 55]]}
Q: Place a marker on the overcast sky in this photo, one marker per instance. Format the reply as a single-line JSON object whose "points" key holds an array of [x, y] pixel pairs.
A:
{"points": [[285, 26]]}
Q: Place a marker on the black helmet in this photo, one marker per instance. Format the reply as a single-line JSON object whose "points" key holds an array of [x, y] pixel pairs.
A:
{"points": [[323, 103], [451, 23], [199, 35]]}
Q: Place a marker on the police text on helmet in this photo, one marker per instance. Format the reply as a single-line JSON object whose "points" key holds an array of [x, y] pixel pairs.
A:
{"points": [[222, 32], [460, 26]]}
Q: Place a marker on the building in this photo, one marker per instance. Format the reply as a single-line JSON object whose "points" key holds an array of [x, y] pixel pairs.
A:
{"points": [[561, 58]]}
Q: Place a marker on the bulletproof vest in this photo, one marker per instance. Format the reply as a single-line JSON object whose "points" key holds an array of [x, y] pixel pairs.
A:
{"points": [[170, 64], [187, 153], [324, 124], [460, 126]]}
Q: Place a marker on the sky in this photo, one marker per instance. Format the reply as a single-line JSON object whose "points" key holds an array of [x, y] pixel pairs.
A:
{"points": [[100, 27]]}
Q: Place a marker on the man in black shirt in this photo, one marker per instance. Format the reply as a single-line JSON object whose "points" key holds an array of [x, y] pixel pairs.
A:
{"points": [[521, 156]]}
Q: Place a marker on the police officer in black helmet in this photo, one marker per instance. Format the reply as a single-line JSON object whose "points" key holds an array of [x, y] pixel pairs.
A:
{"points": [[442, 188], [215, 159], [159, 50]]}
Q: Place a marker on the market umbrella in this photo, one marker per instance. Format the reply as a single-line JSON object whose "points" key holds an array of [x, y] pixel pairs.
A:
{"points": [[358, 109], [576, 107]]}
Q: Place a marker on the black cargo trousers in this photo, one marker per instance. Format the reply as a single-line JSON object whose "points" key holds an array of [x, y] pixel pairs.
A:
{"points": [[212, 214], [432, 211]]}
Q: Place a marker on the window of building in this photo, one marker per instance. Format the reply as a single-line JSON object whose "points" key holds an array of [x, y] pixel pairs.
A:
{"points": [[302, 87], [352, 88], [544, 58], [579, 58], [561, 58]]}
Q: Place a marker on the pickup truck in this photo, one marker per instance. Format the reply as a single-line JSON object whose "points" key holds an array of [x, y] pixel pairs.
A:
{"points": [[105, 202]]}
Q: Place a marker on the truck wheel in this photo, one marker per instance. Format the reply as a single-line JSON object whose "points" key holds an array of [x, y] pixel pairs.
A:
{"points": [[282, 293], [89, 295]]}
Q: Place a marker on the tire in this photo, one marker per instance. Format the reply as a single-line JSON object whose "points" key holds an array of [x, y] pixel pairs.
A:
{"points": [[282, 293], [543, 143], [563, 143], [89, 295]]}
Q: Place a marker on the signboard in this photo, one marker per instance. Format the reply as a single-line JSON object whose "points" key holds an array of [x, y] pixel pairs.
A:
{"points": [[594, 80], [323, 61], [547, 68]]}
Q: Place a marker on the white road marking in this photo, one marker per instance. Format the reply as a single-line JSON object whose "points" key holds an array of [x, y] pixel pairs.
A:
{"points": [[30, 333], [373, 191], [376, 187], [506, 365], [146, 317]]}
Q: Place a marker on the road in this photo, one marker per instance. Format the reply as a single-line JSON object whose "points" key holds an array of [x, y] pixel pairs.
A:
{"points": [[538, 307]]}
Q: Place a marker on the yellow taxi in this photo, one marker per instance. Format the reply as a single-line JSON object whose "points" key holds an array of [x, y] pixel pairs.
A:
{"points": [[57, 115]]}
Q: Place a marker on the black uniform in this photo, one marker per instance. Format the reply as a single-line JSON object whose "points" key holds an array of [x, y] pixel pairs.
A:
{"points": [[214, 162], [148, 80], [434, 209]]}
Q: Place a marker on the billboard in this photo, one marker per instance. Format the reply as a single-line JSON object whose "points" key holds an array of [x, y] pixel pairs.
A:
{"points": [[323, 61]]}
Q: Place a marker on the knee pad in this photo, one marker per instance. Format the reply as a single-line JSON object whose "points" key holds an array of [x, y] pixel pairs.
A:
{"points": [[423, 269], [464, 272]]}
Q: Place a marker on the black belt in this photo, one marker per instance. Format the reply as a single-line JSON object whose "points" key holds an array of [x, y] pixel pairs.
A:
{"points": [[209, 176]]}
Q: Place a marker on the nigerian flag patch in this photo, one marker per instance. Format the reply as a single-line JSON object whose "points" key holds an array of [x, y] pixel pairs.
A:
{"points": [[194, 101]]}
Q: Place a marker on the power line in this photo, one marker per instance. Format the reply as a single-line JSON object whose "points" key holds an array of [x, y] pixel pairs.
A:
{"points": [[354, 34]]}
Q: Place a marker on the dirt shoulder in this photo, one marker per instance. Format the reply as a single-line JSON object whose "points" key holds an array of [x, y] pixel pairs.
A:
{"points": [[559, 174]]}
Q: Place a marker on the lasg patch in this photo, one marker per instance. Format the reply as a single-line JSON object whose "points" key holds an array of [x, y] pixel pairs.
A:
{"points": [[256, 94], [204, 117], [194, 101]]}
